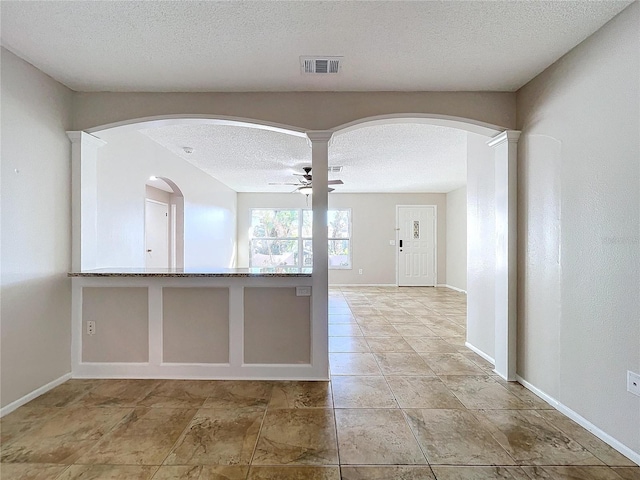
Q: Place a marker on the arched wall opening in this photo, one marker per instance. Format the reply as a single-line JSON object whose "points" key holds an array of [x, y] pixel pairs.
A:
{"points": [[503, 173]]}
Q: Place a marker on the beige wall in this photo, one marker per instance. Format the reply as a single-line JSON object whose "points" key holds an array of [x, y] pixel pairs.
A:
{"points": [[457, 238], [579, 318], [36, 229], [373, 225], [307, 110]]}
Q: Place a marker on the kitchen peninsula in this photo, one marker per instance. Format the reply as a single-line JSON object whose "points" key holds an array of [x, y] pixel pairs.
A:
{"points": [[201, 324]]}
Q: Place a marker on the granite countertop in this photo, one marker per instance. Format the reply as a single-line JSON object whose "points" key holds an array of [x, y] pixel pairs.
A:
{"points": [[191, 272]]}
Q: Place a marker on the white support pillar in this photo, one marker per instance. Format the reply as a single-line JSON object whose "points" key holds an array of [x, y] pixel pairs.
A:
{"points": [[84, 199], [506, 154], [320, 293]]}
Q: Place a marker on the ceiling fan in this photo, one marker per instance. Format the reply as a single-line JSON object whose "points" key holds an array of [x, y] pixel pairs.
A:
{"points": [[305, 182]]}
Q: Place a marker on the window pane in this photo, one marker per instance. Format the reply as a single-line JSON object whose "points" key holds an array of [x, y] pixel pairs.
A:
{"points": [[271, 253], [338, 221], [339, 253], [274, 223], [307, 223], [307, 253]]}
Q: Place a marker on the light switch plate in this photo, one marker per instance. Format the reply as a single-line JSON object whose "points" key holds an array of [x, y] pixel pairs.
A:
{"points": [[303, 291], [392, 243]]}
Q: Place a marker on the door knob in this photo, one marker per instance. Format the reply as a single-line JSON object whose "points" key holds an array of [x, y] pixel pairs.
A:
{"points": [[148, 250]]}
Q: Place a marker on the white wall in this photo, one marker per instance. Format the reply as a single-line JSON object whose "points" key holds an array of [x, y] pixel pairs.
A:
{"points": [[579, 319], [373, 225], [125, 163], [481, 244], [457, 238], [36, 229]]}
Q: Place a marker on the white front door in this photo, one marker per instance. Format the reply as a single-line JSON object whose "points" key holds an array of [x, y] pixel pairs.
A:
{"points": [[156, 234], [416, 244]]}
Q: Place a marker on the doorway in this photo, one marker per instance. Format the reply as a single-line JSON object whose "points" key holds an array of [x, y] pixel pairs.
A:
{"points": [[156, 234], [416, 245]]}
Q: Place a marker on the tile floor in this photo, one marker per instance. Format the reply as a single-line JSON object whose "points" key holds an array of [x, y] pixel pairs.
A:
{"points": [[407, 401]]}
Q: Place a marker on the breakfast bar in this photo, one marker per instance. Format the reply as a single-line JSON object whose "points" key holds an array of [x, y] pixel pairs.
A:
{"points": [[235, 323]]}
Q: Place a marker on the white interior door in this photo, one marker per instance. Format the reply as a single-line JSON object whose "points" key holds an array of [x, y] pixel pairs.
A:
{"points": [[416, 245], [156, 234]]}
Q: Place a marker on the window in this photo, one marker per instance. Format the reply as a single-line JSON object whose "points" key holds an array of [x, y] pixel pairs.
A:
{"points": [[284, 238]]}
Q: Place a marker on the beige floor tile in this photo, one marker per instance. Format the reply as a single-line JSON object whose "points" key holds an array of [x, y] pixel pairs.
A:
{"points": [[297, 437], [448, 329], [353, 364], [376, 437], [451, 364], [30, 471], [362, 392], [339, 319], [482, 392], [145, 437], [403, 319], [178, 394], [65, 437], [422, 392], [480, 473], [571, 473], [344, 330], [117, 393], [404, 472], [585, 438], [430, 345], [107, 472], [411, 330], [218, 436], [485, 365], [372, 320], [455, 437], [402, 364], [388, 344], [301, 395], [238, 393], [63, 395], [535, 402], [294, 473], [628, 473], [22, 420], [531, 440], [348, 344], [377, 330], [201, 472]]}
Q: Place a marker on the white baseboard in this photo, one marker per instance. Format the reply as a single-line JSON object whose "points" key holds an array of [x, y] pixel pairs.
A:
{"points": [[36, 393], [362, 285], [480, 352], [583, 422], [451, 287]]}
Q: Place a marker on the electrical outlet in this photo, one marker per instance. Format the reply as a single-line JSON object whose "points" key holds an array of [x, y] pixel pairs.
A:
{"points": [[91, 327], [633, 383], [360, 271], [303, 291]]}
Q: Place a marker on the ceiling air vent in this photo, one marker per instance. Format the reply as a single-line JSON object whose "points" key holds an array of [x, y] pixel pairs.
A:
{"points": [[336, 169], [321, 65]]}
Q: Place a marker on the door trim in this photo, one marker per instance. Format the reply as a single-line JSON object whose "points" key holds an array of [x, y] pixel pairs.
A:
{"points": [[435, 242]]}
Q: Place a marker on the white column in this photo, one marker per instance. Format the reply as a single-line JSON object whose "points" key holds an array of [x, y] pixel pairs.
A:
{"points": [[320, 291], [84, 199], [506, 154]]}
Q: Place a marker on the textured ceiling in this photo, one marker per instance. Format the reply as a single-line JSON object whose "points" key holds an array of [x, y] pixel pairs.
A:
{"points": [[383, 158], [255, 46]]}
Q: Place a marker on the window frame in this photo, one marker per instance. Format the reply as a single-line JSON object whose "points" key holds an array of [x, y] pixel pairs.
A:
{"points": [[300, 238]]}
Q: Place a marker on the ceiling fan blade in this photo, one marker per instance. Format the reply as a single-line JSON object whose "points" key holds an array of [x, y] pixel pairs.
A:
{"points": [[335, 182], [330, 189], [293, 184]]}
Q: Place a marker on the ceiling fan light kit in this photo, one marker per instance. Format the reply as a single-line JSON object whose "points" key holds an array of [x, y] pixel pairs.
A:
{"points": [[305, 181]]}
